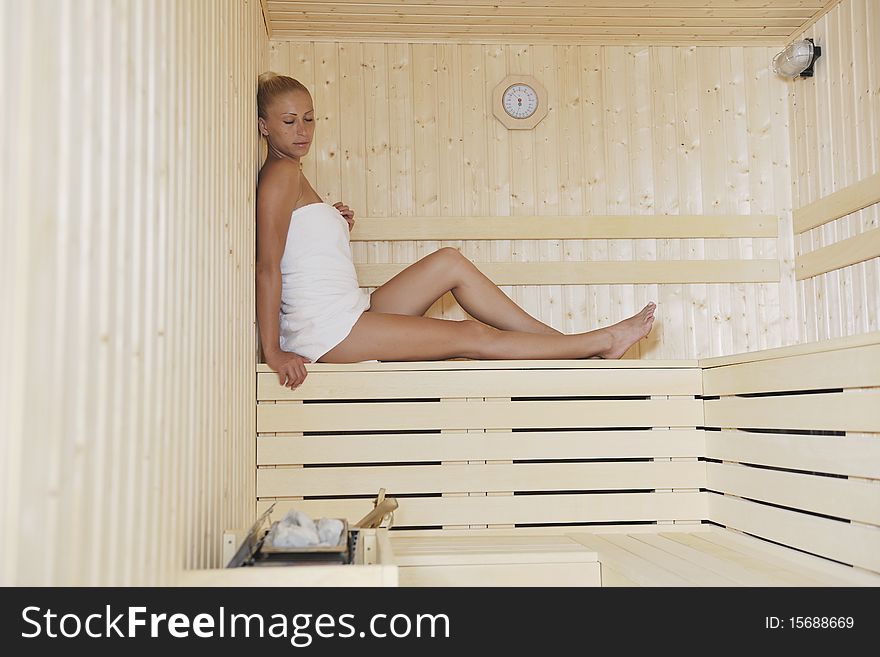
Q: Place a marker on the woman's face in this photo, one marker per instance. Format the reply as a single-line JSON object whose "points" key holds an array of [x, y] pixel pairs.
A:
{"points": [[290, 124]]}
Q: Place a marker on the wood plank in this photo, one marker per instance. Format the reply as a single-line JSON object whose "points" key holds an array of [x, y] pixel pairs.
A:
{"points": [[832, 344], [531, 477], [527, 531], [631, 566], [774, 573], [563, 227], [292, 416], [488, 383], [865, 128], [497, 549], [467, 364], [839, 204], [326, 93], [601, 272], [761, 134], [408, 37], [640, 5], [823, 570], [412, 448], [440, 12], [612, 577], [513, 509], [857, 367], [726, 570], [857, 410], [693, 572], [532, 574], [665, 149], [855, 456], [850, 251], [857, 545], [832, 496], [516, 29]]}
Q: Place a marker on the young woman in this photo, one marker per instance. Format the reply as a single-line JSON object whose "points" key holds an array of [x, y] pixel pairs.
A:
{"points": [[305, 271]]}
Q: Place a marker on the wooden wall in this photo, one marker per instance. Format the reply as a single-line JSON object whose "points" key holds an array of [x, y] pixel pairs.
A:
{"points": [[407, 129], [835, 137], [130, 153]]}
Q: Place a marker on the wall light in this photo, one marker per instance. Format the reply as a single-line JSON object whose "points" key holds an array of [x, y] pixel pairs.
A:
{"points": [[797, 59]]}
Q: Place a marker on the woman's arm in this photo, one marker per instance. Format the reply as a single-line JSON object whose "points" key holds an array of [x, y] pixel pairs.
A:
{"points": [[277, 195]]}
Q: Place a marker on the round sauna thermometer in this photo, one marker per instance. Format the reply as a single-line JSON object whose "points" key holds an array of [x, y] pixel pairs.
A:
{"points": [[520, 102]]}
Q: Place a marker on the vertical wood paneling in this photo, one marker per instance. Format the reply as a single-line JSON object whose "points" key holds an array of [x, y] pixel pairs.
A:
{"points": [[475, 144], [569, 104], [835, 133], [547, 191], [641, 158], [666, 196], [630, 130], [596, 191], [377, 140], [127, 268], [690, 180]]}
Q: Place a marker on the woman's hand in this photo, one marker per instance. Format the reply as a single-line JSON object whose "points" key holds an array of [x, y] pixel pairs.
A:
{"points": [[290, 368], [346, 212]]}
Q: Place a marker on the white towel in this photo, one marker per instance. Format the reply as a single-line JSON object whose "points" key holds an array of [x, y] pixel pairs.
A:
{"points": [[320, 296]]}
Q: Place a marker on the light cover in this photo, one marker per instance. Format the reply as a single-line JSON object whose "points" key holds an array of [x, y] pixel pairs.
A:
{"points": [[796, 59]]}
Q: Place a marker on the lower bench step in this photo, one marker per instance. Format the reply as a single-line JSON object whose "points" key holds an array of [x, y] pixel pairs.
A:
{"points": [[494, 561]]}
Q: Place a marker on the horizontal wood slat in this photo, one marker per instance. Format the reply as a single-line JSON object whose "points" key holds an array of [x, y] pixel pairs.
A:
{"points": [[858, 545], [858, 367], [728, 20], [732, 14], [693, 552], [408, 36], [857, 410], [556, 228], [476, 550], [847, 252], [820, 346], [638, 5], [604, 272], [771, 571], [628, 564], [853, 456], [490, 383], [478, 415], [780, 557], [503, 574], [466, 364], [513, 509], [467, 478], [518, 17], [497, 27], [839, 204], [832, 496], [389, 448]]}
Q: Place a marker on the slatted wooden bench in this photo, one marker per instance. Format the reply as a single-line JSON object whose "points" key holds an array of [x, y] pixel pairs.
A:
{"points": [[781, 445], [720, 471]]}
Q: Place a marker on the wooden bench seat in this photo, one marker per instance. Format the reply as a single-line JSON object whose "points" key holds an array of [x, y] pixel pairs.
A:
{"points": [[783, 445], [705, 555]]}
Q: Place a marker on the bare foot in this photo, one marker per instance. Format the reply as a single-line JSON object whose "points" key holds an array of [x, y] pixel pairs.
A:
{"points": [[626, 333]]}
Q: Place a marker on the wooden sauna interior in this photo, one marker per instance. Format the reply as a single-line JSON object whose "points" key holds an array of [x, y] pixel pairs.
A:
{"points": [[673, 165]]}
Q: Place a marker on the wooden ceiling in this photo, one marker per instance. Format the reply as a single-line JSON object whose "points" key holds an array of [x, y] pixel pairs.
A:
{"points": [[683, 22]]}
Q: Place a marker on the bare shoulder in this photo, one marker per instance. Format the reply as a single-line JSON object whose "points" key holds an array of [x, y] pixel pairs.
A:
{"points": [[279, 179], [278, 190]]}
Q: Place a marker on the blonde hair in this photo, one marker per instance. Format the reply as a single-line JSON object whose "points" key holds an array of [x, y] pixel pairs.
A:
{"points": [[272, 85]]}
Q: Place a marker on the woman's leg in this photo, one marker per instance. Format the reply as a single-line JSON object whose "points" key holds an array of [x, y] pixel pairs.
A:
{"points": [[381, 336], [417, 287]]}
